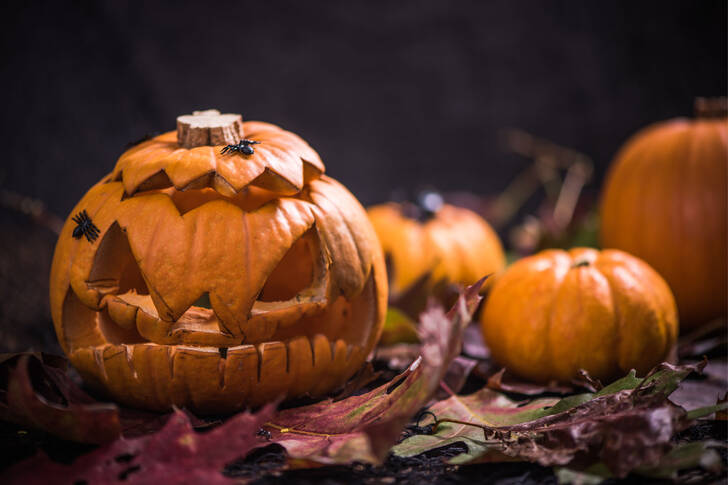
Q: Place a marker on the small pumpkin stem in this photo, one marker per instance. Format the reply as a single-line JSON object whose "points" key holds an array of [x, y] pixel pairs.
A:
{"points": [[580, 263], [209, 127], [711, 107]]}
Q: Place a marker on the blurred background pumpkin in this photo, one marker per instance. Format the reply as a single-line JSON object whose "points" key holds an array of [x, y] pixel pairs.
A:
{"points": [[556, 312], [665, 200], [435, 241]]}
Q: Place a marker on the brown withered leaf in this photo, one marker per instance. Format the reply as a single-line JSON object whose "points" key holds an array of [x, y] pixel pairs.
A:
{"points": [[364, 428], [175, 454], [626, 425], [504, 381]]}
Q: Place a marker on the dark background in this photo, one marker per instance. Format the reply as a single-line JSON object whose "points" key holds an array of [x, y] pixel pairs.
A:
{"points": [[398, 94], [391, 94]]}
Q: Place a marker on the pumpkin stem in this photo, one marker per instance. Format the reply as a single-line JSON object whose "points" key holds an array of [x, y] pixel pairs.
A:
{"points": [[580, 263], [209, 127], [428, 203], [711, 107]]}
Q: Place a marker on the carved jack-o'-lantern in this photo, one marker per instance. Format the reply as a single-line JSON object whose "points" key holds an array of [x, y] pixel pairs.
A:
{"points": [[217, 277]]}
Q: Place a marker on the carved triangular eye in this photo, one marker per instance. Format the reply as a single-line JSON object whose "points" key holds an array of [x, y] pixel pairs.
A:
{"points": [[115, 270], [295, 272]]}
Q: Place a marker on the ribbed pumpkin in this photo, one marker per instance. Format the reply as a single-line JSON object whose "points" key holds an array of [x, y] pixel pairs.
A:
{"points": [[450, 244], [666, 201], [218, 280], [556, 312]]}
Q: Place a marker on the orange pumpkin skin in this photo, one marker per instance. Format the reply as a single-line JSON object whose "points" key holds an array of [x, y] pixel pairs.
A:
{"points": [[556, 312], [456, 245], [219, 282], [666, 201]]}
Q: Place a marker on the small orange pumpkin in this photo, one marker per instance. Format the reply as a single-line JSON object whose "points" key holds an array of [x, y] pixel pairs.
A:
{"points": [[448, 243], [556, 312], [216, 281], [666, 201]]}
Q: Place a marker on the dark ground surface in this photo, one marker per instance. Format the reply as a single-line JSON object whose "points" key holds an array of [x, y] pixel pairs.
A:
{"points": [[266, 465]]}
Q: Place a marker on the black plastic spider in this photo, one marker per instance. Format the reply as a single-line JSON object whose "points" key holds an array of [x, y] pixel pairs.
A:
{"points": [[265, 433], [84, 227], [242, 147]]}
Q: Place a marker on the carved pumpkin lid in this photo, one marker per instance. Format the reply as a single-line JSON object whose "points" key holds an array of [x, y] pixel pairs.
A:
{"points": [[263, 155]]}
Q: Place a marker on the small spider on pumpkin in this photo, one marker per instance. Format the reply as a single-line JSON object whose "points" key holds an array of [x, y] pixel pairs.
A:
{"points": [[244, 147], [84, 227]]}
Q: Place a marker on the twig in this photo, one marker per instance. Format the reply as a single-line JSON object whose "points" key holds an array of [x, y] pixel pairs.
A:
{"points": [[33, 208]]}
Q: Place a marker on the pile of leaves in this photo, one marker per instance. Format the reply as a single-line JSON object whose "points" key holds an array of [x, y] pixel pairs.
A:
{"points": [[447, 408]]}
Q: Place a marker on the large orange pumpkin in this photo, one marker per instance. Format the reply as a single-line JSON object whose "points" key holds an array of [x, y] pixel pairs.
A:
{"points": [[556, 312], [449, 243], [666, 201], [217, 280]]}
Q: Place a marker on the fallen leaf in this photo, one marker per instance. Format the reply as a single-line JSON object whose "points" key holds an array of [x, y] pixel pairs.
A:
{"points": [[174, 454], [398, 328], [397, 356], [626, 425], [504, 381], [363, 428], [35, 391], [683, 456], [457, 374], [473, 345], [364, 376], [703, 340]]}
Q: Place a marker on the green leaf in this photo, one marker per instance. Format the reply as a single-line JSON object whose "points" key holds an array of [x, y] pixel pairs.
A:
{"points": [[398, 328]]}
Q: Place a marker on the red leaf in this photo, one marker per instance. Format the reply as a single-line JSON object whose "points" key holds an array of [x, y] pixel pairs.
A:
{"points": [[175, 454], [39, 394], [364, 428]]}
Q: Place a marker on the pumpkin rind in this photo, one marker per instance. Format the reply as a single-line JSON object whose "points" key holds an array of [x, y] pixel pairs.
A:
{"points": [[177, 225], [456, 245], [547, 316], [666, 201]]}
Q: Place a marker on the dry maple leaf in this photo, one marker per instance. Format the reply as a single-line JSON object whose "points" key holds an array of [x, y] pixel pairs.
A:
{"points": [[175, 454], [626, 425], [364, 428]]}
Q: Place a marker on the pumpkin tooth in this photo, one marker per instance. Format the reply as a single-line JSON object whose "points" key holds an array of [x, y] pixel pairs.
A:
{"points": [[129, 354], [121, 312], [152, 356], [241, 370], [274, 379], [323, 372], [99, 358], [301, 359], [221, 371], [194, 368], [151, 327]]}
